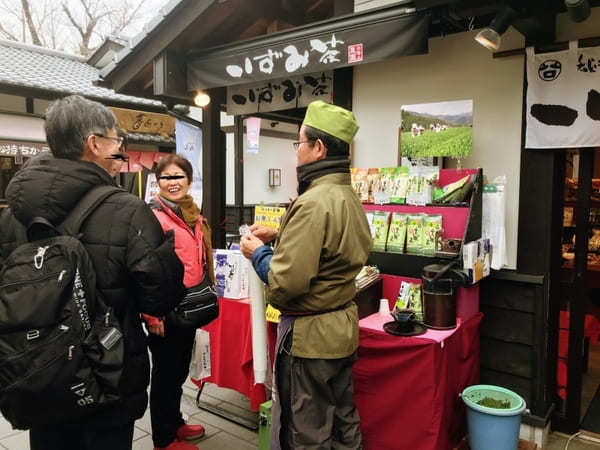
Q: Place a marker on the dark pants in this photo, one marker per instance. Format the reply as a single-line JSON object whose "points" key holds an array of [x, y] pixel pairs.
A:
{"points": [[171, 356], [81, 437], [317, 402]]}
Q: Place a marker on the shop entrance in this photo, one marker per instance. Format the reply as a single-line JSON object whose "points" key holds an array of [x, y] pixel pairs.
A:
{"points": [[578, 396]]}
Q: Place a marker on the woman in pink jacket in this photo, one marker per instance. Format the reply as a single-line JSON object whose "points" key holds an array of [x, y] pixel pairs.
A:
{"points": [[171, 346]]}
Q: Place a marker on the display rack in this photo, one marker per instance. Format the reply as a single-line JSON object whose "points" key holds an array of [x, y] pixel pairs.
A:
{"points": [[459, 222]]}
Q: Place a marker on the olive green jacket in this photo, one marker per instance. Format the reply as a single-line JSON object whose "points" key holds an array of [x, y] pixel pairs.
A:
{"points": [[324, 241]]}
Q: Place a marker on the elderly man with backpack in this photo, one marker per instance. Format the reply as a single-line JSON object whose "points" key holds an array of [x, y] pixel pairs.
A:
{"points": [[80, 259]]}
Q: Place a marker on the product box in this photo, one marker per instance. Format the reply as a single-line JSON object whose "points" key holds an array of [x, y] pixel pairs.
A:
{"points": [[476, 259], [231, 273]]}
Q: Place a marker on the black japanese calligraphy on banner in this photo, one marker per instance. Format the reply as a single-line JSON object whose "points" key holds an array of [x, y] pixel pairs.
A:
{"points": [[563, 98], [20, 149], [346, 42], [281, 94]]}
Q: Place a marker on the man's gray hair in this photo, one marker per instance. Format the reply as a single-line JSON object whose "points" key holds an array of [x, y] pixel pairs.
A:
{"points": [[70, 120]]}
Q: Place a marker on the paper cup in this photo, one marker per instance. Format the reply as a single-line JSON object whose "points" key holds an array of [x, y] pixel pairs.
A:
{"points": [[384, 307]]}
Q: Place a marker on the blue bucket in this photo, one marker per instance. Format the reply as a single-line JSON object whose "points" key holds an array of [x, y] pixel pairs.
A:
{"points": [[493, 428]]}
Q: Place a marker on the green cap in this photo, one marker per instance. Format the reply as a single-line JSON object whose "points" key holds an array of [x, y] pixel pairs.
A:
{"points": [[331, 119]]}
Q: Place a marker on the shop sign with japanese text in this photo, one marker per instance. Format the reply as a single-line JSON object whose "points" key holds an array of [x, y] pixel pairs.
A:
{"points": [[281, 94], [288, 54], [20, 149]]}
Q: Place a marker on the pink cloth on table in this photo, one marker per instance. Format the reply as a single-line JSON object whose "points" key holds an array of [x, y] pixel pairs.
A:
{"points": [[375, 322]]}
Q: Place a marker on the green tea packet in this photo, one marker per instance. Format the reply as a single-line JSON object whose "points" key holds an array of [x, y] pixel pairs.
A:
{"points": [[397, 233], [381, 221], [399, 185], [415, 302], [402, 302], [414, 234], [431, 225]]}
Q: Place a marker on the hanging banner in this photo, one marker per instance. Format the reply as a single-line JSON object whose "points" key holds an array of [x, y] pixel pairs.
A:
{"points": [[152, 187], [563, 98], [359, 38], [188, 141], [277, 95], [252, 134]]}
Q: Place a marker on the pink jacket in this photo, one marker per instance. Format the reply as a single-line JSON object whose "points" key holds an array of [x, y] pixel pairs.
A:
{"points": [[189, 247]]}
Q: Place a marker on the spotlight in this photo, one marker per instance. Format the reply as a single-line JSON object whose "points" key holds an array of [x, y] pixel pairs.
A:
{"points": [[489, 37], [201, 99], [578, 10]]}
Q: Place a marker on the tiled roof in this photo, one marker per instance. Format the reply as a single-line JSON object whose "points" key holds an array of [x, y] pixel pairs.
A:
{"points": [[148, 138], [30, 66]]}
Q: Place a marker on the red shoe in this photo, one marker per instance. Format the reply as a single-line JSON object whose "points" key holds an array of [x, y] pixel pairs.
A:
{"points": [[177, 445], [190, 432]]}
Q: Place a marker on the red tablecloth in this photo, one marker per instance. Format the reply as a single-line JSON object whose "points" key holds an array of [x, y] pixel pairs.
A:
{"points": [[406, 388], [231, 351]]}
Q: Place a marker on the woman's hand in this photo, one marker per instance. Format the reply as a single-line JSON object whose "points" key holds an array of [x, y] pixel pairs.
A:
{"points": [[157, 328], [264, 233]]}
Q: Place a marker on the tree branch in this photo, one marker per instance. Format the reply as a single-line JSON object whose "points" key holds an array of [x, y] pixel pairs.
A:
{"points": [[27, 11]]}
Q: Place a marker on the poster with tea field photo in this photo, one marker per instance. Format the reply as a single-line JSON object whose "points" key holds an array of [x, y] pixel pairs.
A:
{"points": [[437, 129]]}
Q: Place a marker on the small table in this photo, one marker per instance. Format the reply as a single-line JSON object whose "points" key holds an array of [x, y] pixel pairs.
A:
{"points": [[407, 389], [231, 351]]}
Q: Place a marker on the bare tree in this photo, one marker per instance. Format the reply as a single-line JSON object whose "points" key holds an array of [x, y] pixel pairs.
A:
{"points": [[72, 25]]}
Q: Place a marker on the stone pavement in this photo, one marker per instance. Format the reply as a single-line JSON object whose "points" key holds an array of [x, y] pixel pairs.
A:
{"points": [[221, 434]]}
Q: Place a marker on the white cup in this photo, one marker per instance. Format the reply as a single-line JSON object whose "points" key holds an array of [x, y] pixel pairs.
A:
{"points": [[384, 307]]}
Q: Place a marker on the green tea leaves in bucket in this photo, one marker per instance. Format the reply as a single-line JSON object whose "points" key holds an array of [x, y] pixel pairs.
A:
{"points": [[490, 402]]}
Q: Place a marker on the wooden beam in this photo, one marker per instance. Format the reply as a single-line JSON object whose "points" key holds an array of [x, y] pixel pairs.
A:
{"points": [[213, 167], [167, 32], [264, 132]]}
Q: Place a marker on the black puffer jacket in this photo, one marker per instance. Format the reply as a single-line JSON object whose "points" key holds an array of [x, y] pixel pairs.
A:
{"points": [[137, 269]]}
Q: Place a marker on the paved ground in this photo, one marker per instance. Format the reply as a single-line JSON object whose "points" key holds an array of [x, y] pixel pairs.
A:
{"points": [[222, 434]]}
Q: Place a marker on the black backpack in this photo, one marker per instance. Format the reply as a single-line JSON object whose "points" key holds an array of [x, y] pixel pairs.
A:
{"points": [[61, 348]]}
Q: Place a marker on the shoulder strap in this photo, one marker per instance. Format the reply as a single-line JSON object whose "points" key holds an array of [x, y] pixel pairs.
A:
{"points": [[90, 201]]}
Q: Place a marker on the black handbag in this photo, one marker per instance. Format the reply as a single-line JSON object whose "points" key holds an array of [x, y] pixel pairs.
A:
{"points": [[199, 307]]}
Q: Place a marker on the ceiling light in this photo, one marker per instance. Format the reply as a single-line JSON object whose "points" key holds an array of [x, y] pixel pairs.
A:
{"points": [[489, 37], [578, 10], [202, 99]]}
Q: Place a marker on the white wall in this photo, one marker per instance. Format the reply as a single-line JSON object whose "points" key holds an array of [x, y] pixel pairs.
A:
{"points": [[22, 128], [456, 68], [12, 103]]}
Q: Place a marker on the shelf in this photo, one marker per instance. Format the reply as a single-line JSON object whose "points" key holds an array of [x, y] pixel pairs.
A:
{"points": [[593, 203], [404, 264]]}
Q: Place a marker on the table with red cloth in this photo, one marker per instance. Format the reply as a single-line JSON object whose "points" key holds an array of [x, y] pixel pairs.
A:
{"points": [[231, 351], [407, 389]]}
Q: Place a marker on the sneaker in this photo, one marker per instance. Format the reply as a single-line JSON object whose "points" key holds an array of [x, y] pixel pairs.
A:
{"points": [[177, 445], [190, 432]]}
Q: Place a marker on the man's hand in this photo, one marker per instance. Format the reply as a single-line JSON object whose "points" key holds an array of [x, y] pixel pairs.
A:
{"points": [[264, 233], [248, 244], [157, 328]]}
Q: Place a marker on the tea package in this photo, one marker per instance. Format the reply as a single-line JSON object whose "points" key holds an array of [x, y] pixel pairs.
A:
{"points": [[399, 185], [374, 183], [370, 215], [397, 233], [431, 225], [415, 302], [381, 221], [414, 234], [421, 182], [402, 302], [360, 183]]}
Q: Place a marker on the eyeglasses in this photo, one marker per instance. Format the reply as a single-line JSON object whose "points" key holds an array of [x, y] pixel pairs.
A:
{"points": [[171, 177], [298, 143], [119, 140], [122, 156]]}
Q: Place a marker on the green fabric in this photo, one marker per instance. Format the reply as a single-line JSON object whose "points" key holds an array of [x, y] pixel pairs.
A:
{"points": [[324, 241], [331, 119]]}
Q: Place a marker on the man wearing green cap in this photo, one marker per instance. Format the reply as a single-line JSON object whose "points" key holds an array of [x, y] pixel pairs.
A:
{"points": [[323, 242]]}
